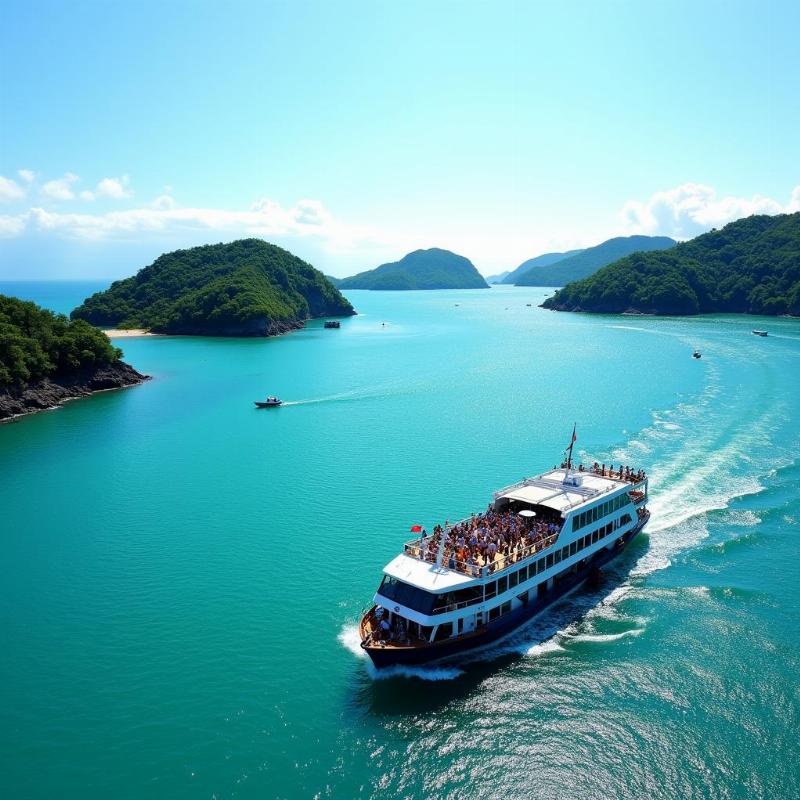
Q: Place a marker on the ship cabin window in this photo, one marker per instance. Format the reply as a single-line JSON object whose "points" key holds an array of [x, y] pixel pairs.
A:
{"points": [[494, 613], [512, 580], [450, 601], [573, 548], [502, 584], [596, 536], [407, 595], [550, 561], [541, 565], [490, 589], [505, 608], [624, 519]]}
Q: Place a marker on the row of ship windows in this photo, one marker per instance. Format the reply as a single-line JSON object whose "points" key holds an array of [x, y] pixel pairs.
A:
{"points": [[545, 562], [427, 603], [598, 512]]}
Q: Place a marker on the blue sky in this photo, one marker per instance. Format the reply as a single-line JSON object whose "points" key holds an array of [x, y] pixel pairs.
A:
{"points": [[351, 133]]}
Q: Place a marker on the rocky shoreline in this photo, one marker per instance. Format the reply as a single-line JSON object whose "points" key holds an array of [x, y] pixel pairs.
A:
{"points": [[52, 392]]}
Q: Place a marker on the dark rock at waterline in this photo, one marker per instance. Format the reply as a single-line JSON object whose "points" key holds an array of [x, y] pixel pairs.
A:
{"points": [[53, 391]]}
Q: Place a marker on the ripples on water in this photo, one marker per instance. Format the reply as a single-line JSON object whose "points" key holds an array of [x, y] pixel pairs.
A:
{"points": [[565, 707], [192, 631]]}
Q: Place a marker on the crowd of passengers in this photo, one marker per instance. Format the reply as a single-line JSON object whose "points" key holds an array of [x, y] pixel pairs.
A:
{"points": [[491, 540], [494, 539], [624, 473]]}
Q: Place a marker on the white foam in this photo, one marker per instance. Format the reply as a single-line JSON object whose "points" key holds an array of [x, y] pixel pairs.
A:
{"points": [[543, 648], [421, 673], [605, 637], [350, 639]]}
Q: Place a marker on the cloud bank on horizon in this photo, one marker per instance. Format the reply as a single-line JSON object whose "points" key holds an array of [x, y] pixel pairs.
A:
{"points": [[59, 208]]}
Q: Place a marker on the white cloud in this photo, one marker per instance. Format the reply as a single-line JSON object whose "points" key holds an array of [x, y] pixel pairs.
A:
{"points": [[115, 188], [268, 218], [693, 208], [27, 175], [10, 190], [60, 188]]}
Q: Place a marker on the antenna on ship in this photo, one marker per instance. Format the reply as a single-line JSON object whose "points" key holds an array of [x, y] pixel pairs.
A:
{"points": [[569, 451]]}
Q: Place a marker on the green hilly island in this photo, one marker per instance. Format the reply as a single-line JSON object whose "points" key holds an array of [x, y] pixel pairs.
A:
{"points": [[750, 266], [46, 358], [544, 260], [585, 262], [423, 269], [245, 288]]}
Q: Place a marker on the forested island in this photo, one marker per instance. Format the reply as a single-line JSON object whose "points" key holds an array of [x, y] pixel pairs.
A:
{"points": [[245, 288], [544, 260], [584, 263], [423, 269], [46, 359], [751, 266]]}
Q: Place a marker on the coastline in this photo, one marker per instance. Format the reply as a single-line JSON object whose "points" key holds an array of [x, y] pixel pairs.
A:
{"points": [[51, 393], [128, 333]]}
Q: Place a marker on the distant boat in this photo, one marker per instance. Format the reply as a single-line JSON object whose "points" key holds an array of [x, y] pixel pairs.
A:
{"points": [[696, 354], [760, 333], [333, 323], [270, 402]]}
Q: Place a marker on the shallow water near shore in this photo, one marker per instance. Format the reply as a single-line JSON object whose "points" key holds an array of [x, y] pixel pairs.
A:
{"points": [[182, 574]]}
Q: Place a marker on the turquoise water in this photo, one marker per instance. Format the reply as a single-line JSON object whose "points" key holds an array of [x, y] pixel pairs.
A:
{"points": [[182, 575]]}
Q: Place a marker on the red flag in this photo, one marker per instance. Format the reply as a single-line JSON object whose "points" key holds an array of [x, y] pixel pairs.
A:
{"points": [[416, 528]]}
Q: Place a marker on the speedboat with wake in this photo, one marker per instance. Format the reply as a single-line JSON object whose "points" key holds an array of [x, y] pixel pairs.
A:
{"points": [[761, 333], [478, 580], [270, 402]]}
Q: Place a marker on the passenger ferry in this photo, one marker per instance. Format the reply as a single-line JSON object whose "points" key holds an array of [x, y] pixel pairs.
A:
{"points": [[551, 533]]}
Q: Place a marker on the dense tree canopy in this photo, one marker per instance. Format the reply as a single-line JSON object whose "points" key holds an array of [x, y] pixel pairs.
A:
{"points": [[245, 287], [422, 269], [586, 262], [36, 343], [750, 266]]}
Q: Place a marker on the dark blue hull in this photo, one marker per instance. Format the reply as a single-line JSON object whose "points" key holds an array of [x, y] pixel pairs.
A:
{"points": [[499, 628]]}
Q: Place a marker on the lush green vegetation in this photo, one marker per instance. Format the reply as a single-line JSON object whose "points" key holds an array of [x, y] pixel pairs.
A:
{"points": [[751, 266], [36, 343], [544, 260], [422, 269], [588, 261], [248, 287]]}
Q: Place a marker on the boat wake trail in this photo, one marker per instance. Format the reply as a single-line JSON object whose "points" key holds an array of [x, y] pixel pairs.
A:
{"points": [[372, 393]]}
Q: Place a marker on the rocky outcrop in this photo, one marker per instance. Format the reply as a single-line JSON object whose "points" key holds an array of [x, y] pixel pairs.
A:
{"points": [[52, 392]]}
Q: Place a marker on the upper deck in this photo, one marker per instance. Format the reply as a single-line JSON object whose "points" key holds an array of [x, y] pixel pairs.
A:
{"points": [[562, 491], [487, 544]]}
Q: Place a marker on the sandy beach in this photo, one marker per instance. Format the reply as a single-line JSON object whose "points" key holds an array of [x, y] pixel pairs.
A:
{"points": [[128, 333]]}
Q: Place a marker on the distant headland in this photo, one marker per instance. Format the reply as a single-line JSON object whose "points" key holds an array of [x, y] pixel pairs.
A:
{"points": [[246, 288], [423, 269], [751, 266], [583, 263], [46, 359]]}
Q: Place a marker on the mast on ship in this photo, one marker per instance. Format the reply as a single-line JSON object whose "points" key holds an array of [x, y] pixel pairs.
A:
{"points": [[569, 452]]}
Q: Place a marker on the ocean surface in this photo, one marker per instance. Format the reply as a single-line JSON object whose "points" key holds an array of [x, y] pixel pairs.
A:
{"points": [[181, 574]]}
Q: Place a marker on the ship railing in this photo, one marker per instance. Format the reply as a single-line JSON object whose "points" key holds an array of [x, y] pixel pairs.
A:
{"points": [[495, 567]]}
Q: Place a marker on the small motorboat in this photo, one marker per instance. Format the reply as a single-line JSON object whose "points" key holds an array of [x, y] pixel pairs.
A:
{"points": [[696, 354], [270, 402], [760, 333], [332, 323]]}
